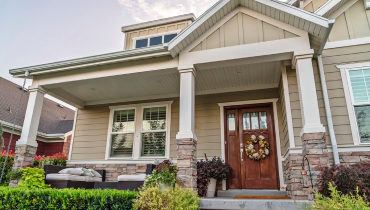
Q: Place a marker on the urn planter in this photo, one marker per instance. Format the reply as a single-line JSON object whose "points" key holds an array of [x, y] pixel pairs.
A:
{"points": [[211, 188]]}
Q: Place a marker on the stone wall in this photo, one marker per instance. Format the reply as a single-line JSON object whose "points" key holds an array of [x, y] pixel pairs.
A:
{"points": [[114, 170]]}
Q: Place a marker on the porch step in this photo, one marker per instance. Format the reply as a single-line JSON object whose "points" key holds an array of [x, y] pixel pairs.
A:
{"points": [[247, 204], [232, 193]]}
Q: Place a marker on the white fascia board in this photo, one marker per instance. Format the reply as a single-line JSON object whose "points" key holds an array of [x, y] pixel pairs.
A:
{"points": [[122, 56], [159, 22], [327, 6], [198, 22]]}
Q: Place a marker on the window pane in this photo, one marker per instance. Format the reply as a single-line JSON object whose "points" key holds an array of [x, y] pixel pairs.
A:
{"points": [[363, 122], [360, 82], [141, 43], [168, 38], [124, 121], [263, 120], [231, 122], [153, 144], [156, 40], [154, 119], [246, 122], [122, 145], [255, 121]]}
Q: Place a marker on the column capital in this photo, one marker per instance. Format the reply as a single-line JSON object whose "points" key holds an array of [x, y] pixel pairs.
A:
{"points": [[37, 89], [303, 54], [192, 70]]}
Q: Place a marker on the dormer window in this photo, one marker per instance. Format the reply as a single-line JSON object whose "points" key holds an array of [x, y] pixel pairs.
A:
{"points": [[148, 41]]}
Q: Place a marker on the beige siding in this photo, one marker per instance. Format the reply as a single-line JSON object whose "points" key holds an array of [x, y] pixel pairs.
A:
{"points": [[283, 125], [243, 29], [154, 30], [332, 57], [352, 24], [92, 125]]}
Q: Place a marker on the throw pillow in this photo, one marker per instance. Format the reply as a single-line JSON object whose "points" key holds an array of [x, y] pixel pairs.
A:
{"points": [[95, 173], [87, 173], [72, 171]]}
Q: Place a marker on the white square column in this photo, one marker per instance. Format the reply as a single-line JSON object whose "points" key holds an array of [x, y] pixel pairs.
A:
{"points": [[187, 104], [311, 122], [32, 118]]}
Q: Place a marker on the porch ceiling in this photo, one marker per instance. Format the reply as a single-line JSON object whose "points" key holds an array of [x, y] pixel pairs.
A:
{"points": [[166, 84]]}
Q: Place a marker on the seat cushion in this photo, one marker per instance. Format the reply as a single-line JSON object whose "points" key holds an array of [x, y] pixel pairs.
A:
{"points": [[126, 178], [93, 179], [65, 177], [72, 171]]}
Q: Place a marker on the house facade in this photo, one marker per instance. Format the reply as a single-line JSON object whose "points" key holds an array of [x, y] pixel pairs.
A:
{"points": [[54, 133], [293, 75]]}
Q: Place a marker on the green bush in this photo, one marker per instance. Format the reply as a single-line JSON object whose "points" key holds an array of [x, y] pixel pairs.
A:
{"points": [[8, 166], [33, 178], [164, 173], [153, 198], [338, 201], [35, 199]]}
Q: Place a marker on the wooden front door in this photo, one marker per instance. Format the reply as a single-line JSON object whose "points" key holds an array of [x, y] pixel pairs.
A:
{"points": [[241, 122]]}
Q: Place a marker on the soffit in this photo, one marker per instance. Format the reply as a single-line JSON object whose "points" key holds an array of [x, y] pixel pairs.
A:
{"points": [[316, 26]]}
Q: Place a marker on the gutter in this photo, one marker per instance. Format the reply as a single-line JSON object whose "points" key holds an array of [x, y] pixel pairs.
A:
{"points": [[110, 58], [328, 111]]}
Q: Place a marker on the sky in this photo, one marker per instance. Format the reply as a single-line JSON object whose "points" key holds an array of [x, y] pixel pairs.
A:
{"points": [[34, 32]]}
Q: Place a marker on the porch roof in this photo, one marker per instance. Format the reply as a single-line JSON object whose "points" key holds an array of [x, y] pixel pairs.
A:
{"points": [[317, 26]]}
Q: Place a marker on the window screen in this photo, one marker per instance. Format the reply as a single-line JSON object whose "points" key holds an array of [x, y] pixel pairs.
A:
{"points": [[141, 43], [168, 38], [156, 40], [360, 82]]}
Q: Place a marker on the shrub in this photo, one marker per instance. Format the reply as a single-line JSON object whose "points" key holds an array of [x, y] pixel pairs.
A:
{"points": [[33, 178], [153, 198], [346, 179], [8, 166], [338, 201], [214, 168], [32, 199], [165, 173], [58, 159], [14, 174]]}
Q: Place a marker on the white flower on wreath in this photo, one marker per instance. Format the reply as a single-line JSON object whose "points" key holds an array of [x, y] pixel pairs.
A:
{"points": [[260, 150], [255, 155], [261, 137], [262, 145], [253, 137], [267, 152], [250, 146]]}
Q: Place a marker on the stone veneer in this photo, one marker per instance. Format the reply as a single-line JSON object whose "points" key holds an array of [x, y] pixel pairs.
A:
{"points": [[114, 170], [187, 163], [24, 156]]}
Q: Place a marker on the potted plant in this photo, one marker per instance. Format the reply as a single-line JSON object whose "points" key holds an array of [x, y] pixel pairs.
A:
{"points": [[209, 172], [164, 175]]}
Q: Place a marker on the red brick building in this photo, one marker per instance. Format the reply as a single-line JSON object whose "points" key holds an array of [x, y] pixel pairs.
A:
{"points": [[55, 127]]}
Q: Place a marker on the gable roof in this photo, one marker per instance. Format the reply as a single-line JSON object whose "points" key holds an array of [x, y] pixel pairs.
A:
{"points": [[317, 26], [54, 119]]}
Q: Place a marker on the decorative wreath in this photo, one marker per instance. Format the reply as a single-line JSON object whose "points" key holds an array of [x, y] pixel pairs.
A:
{"points": [[262, 152]]}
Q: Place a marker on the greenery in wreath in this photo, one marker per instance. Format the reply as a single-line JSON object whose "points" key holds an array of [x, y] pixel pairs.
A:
{"points": [[251, 151]]}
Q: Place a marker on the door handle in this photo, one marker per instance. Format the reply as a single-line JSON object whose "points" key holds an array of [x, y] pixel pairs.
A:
{"points": [[241, 152]]}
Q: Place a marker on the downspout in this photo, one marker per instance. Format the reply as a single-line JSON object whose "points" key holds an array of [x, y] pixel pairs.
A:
{"points": [[326, 97], [328, 112]]}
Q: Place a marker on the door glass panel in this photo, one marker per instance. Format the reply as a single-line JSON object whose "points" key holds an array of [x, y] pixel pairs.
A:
{"points": [[231, 122], [246, 122], [255, 120], [263, 120]]}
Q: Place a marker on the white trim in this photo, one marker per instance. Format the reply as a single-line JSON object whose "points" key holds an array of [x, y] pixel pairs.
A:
{"points": [[327, 7], [137, 144], [342, 9], [344, 70], [134, 39], [288, 109], [73, 135], [277, 136], [347, 43]]}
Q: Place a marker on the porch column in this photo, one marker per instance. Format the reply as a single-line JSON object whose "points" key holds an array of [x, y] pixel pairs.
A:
{"points": [[26, 146], [313, 132], [186, 138]]}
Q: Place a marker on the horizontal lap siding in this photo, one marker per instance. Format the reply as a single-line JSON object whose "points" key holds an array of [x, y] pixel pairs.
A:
{"points": [[332, 57]]}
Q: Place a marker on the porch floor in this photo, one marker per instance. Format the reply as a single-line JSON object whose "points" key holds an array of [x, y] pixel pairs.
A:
{"points": [[220, 203]]}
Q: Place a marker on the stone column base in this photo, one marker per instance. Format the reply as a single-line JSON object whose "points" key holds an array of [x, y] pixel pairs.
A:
{"points": [[187, 163], [24, 156]]}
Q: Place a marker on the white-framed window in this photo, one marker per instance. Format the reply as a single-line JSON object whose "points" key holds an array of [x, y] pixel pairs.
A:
{"points": [[356, 83], [140, 131], [154, 39]]}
